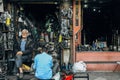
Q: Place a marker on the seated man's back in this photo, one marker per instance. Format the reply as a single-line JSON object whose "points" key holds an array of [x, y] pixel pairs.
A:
{"points": [[42, 65]]}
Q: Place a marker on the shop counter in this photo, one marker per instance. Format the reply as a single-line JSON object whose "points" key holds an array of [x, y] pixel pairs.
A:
{"points": [[99, 61]]}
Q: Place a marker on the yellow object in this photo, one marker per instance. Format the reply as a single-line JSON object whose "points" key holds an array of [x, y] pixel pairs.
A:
{"points": [[25, 67], [60, 38], [8, 21]]}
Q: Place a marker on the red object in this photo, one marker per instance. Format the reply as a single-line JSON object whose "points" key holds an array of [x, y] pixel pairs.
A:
{"points": [[68, 77]]}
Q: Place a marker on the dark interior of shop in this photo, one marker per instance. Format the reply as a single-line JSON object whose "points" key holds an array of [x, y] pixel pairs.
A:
{"points": [[100, 20], [39, 13]]}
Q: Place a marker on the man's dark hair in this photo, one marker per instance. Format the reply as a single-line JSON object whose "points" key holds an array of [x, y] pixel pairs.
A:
{"points": [[44, 49]]}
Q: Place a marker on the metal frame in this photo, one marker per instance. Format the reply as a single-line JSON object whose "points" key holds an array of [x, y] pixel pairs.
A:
{"points": [[76, 28]]}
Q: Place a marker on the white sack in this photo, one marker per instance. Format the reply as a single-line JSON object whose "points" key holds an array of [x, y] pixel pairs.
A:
{"points": [[79, 67]]}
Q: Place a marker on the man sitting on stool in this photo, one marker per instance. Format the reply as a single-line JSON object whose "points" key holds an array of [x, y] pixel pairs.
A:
{"points": [[23, 50], [43, 65]]}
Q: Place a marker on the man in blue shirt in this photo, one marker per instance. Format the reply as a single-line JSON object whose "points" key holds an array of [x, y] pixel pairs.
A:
{"points": [[23, 49], [43, 65]]}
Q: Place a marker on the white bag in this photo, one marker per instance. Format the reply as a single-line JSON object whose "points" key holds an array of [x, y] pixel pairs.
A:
{"points": [[79, 67]]}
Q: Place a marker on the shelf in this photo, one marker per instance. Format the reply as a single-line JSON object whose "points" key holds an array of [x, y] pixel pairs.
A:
{"points": [[8, 50], [5, 31]]}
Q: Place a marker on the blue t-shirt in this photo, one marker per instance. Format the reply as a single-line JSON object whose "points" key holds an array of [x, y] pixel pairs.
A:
{"points": [[42, 65], [22, 45]]}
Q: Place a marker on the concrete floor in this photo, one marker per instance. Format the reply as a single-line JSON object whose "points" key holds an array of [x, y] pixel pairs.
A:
{"points": [[104, 75], [92, 76]]}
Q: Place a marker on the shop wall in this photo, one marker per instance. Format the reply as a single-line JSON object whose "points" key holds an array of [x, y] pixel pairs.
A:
{"points": [[100, 61]]}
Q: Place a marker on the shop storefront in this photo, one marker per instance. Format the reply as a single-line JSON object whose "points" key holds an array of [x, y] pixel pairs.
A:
{"points": [[60, 24]]}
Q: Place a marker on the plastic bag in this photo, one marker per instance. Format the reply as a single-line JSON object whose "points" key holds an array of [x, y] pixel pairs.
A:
{"points": [[79, 67]]}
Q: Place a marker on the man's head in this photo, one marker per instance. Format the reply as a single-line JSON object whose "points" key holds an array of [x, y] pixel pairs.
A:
{"points": [[25, 33]]}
